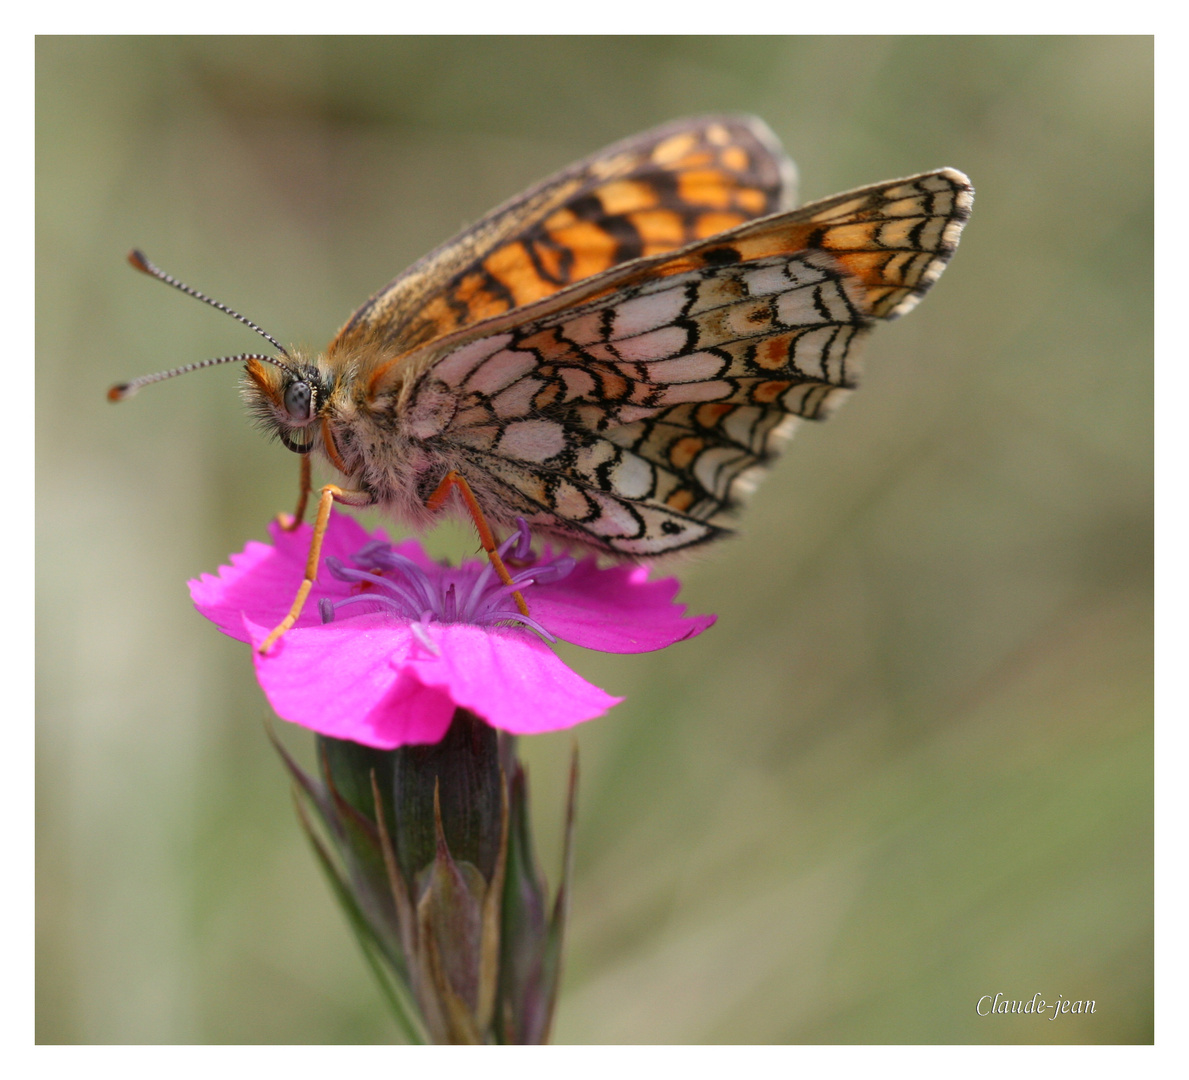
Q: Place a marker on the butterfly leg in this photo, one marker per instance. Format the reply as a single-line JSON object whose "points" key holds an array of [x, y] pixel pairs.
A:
{"points": [[486, 537], [331, 494], [289, 524]]}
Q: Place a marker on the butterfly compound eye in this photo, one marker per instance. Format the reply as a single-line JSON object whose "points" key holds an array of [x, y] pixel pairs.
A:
{"points": [[298, 399]]}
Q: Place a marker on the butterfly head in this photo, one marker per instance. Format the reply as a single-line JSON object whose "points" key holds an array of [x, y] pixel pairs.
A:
{"points": [[287, 393], [288, 398]]}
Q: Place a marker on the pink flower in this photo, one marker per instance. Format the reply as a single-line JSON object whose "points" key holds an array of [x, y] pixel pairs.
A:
{"points": [[390, 643]]}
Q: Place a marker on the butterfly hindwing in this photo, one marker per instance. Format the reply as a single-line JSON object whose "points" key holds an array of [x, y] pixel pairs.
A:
{"points": [[649, 194], [633, 410]]}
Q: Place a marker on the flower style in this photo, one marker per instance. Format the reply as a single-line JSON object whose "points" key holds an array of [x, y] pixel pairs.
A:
{"points": [[391, 642]]}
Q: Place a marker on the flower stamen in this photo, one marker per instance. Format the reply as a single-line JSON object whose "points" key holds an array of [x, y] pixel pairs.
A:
{"points": [[470, 593]]}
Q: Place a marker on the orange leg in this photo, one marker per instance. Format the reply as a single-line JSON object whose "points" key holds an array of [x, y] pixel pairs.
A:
{"points": [[455, 480], [331, 494], [289, 524]]}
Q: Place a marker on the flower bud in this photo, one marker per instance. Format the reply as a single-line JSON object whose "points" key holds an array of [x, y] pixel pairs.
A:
{"points": [[430, 854]]}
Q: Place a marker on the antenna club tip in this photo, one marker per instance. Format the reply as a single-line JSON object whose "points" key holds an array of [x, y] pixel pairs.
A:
{"points": [[120, 391], [136, 258]]}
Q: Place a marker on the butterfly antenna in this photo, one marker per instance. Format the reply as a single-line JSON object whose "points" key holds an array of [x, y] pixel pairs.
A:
{"points": [[138, 260], [125, 390]]}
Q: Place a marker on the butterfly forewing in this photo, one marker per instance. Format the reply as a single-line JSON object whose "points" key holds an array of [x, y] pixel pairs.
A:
{"points": [[647, 195], [895, 238], [631, 411]]}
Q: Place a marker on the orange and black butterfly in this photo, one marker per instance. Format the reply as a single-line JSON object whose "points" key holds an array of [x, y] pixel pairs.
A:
{"points": [[616, 354]]}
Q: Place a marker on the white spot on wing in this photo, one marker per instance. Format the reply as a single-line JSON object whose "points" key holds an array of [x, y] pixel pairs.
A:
{"points": [[813, 346], [614, 520], [739, 423], [710, 468], [569, 502], [647, 312], [532, 440], [766, 280], [632, 477], [629, 414], [584, 330], [579, 383], [517, 400], [655, 345], [501, 370], [796, 308], [456, 366], [655, 539], [590, 457], [697, 367], [432, 410]]}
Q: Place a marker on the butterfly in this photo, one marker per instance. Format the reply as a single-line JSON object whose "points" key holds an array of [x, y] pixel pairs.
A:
{"points": [[614, 356]]}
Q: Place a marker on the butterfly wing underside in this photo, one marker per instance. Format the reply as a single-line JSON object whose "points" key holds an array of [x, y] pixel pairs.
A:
{"points": [[652, 193], [631, 412]]}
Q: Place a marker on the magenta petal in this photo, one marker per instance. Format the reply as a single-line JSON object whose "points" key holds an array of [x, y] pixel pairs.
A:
{"points": [[349, 681], [262, 580], [224, 596], [508, 677], [372, 680], [616, 609], [394, 677]]}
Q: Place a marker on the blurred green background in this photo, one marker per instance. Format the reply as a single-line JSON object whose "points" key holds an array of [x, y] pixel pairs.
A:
{"points": [[911, 765]]}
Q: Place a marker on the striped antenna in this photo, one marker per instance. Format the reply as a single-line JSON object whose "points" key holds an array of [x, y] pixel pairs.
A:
{"points": [[138, 260], [125, 390]]}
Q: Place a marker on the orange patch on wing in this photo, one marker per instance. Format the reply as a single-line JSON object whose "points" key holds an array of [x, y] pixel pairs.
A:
{"points": [[550, 259], [774, 352], [867, 266], [767, 392], [548, 345], [614, 386], [547, 395], [767, 241], [773, 242], [735, 158], [624, 196], [561, 219], [468, 288], [683, 451], [698, 160], [750, 199], [680, 500], [712, 412], [661, 230], [593, 249], [673, 148], [849, 237], [481, 301], [713, 223], [877, 292], [705, 187], [438, 313], [511, 266]]}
